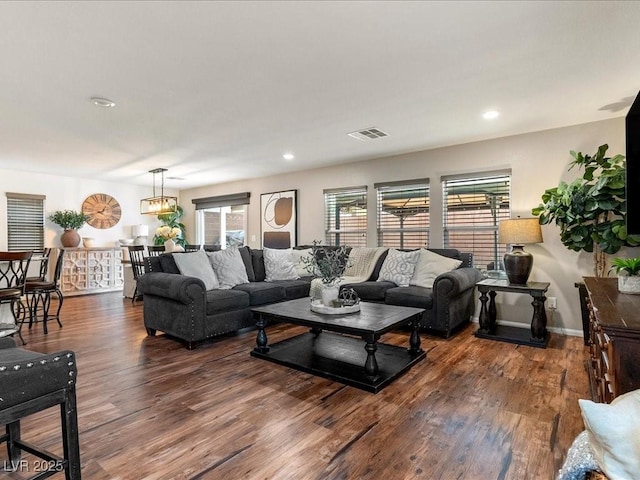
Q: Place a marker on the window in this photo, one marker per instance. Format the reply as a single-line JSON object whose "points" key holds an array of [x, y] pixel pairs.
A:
{"points": [[345, 216], [25, 221], [222, 220], [473, 207], [403, 214]]}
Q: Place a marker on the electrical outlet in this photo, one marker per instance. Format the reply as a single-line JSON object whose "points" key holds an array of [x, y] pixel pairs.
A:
{"points": [[551, 302]]}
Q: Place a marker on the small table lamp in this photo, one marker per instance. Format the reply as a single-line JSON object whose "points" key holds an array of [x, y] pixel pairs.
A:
{"points": [[517, 232]]}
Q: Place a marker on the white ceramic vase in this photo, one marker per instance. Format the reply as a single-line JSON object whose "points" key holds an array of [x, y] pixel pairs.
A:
{"points": [[329, 294], [629, 284], [169, 245]]}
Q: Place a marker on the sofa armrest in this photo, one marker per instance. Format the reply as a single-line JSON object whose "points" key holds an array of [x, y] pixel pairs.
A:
{"points": [[181, 288], [456, 281]]}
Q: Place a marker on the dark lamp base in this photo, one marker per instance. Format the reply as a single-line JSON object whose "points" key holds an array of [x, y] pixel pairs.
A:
{"points": [[517, 265]]}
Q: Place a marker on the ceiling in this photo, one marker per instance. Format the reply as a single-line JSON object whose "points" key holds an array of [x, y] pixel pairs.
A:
{"points": [[219, 91]]}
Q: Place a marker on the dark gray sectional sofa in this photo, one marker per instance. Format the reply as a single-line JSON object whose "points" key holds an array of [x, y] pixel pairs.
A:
{"points": [[181, 307]]}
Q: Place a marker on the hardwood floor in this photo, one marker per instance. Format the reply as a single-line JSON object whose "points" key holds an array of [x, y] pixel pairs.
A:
{"points": [[150, 409]]}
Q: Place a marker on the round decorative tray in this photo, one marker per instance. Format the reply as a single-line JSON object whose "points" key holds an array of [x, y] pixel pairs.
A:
{"points": [[319, 307]]}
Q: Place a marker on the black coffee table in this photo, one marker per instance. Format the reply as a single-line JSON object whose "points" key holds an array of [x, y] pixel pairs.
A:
{"points": [[345, 347]]}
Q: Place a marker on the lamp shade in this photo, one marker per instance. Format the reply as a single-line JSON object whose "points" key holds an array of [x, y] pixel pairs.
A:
{"points": [[140, 231], [519, 231]]}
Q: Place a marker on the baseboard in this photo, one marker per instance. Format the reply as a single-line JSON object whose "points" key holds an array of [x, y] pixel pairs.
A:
{"points": [[569, 332]]}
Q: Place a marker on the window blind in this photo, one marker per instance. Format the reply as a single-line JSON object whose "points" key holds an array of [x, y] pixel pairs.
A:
{"points": [[25, 221], [473, 207], [222, 201], [345, 216], [403, 214]]}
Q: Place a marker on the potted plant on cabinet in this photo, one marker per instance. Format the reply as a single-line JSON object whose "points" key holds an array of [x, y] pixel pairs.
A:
{"points": [[70, 221], [628, 271]]}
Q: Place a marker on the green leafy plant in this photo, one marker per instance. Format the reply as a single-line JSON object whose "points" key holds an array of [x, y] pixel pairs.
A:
{"points": [[629, 265], [591, 210], [326, 263], [68, 219], [172, 220]]}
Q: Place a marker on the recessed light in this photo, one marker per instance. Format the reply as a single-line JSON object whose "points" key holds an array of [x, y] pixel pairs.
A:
{"points": [[103, 102], [490, 115], [288, 156]]}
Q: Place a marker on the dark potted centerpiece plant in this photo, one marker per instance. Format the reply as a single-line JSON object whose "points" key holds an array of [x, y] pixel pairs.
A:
{"points": [[628, 271], [328, 265], [70, 221]]}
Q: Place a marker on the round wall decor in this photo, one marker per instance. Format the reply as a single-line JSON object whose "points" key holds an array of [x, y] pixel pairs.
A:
{"points": [[103, 210]]}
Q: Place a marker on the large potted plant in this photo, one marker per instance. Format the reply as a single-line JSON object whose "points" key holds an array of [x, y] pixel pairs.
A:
{"points": [[70, 221], [591, 210], [172, 220]]}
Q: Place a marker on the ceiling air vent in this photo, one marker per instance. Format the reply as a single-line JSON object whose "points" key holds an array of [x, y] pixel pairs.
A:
{"points": [[368, 134]]}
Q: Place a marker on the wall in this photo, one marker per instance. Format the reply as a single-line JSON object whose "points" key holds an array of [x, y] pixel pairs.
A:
{"points": [[538, 161], [67, 193]]}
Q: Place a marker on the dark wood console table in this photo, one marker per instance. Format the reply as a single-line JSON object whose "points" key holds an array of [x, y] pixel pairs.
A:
{"points": [[536, 337], [614, 330]]}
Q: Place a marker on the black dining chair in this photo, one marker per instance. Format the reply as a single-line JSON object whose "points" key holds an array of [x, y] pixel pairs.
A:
{"points": [[155, 250], [39, 292], [192, 248], [136, 255], [13, 274], [43, 257]]}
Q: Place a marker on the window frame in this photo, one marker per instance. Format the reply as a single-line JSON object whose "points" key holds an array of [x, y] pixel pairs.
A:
{"points": [[31, 209], [353, 197]]}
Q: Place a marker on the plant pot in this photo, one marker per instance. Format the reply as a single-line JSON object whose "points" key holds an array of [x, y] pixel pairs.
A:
{"points": [[70, 239], [629, 284], [169, 245], [329, 294]]}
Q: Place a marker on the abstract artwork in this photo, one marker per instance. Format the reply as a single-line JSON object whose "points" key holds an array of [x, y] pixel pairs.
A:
{"points": [[279, 219]]}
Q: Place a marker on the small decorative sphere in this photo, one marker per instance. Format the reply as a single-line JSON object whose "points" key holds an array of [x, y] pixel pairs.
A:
{"points": [[349, 297]]}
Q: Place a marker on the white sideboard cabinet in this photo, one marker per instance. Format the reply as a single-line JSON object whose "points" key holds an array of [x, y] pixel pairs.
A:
{"points": [[91, 270]]}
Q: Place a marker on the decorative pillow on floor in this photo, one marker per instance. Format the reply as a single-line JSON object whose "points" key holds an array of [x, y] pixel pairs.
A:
{"points": [[278, 264], [430, 265], [229, 267], [398, 267], [197, 265], [298, 255], [614, 433]]}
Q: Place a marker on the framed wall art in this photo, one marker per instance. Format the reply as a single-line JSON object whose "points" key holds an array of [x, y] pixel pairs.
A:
{"points": [[279, 219]]}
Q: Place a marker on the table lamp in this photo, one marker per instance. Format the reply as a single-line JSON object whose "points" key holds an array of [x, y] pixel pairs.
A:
{"points": [[517, 232]]}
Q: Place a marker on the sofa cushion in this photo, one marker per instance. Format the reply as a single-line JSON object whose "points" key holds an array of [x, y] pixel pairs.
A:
{"points": [[301, 265], [278, 265], [245, 253], [219, 301], [398, 267], [295, 288], [229, 267], [261, 293], [196, 264], [429, 266], [370, 290], [168, 264], [411, 296], [257, 260]]}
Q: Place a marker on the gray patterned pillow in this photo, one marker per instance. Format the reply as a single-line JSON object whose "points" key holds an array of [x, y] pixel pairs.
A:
{"points": [[278, 264], [229, 267], [398, 267]]}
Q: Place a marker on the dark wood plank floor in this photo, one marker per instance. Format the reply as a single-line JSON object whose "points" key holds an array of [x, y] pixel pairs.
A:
{"points": [[150, 409]]}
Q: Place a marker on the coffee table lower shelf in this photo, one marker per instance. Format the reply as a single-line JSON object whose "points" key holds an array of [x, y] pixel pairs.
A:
{"points": [[340, 358]]}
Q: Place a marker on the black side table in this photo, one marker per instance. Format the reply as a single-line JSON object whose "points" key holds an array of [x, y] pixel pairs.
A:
{"points": [[537, 337]]}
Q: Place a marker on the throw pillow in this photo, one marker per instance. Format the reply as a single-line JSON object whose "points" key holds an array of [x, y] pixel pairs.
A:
{"points": [[196, 264], [229, 267], [430, 265], [614, 432], [278, 265], [298, 255], [398, 267]]}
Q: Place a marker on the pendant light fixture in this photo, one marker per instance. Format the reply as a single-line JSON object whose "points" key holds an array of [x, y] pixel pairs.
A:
{"points": [[158, 205]]}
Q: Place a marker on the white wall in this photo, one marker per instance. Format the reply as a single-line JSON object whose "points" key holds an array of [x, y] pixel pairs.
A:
{"points": [[67, 193], [538, 161]]}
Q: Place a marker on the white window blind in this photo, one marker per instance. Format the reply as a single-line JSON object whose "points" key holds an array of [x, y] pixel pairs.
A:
{"points": [[345, 216], [473, 207], [25, 222], [403, 214]]}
